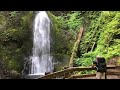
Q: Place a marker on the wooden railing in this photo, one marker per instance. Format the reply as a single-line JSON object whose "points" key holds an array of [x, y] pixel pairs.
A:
{"points": [[67, 73]]}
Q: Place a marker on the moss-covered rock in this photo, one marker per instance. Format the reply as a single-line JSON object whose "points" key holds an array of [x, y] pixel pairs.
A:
{"points": [[15, 38]]}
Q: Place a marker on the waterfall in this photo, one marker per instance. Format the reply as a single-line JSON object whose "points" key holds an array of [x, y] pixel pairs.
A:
{"points": [[41, 61]]}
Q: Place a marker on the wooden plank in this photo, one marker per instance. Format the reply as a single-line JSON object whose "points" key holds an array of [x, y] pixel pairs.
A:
{"points": [[111, 66], [81, 76], [117, 67], [113, 73]]}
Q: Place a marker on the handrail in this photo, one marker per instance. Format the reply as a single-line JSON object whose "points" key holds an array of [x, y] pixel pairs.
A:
{"points": [[72, 69]]}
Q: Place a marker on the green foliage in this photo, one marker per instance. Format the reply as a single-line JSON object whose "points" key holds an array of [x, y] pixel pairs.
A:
{"points": [[71, 21], [61, 38], [13, 13], [91, 35], [88, 72], [86, 59], [100, 27], [66, 28], [107, 40], [105, 31], [74, 20], [14, 38]]}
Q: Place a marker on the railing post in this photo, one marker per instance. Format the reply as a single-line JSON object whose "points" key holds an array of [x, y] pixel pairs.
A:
{"points": [[106, 75]]}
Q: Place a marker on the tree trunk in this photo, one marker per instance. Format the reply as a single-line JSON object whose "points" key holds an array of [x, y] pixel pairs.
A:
{"points": [[75, 47]]}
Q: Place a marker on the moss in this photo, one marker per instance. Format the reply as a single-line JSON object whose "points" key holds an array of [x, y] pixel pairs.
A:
{"points": [[27, 18], [106, 38], [15, 37], [61, 43], [2, 20]]}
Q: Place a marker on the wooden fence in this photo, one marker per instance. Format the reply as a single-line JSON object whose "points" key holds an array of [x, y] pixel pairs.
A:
{"points": [[67, 73]]}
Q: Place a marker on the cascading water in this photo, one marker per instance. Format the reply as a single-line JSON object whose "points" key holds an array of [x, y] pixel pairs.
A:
{"points": [[41, 61]]}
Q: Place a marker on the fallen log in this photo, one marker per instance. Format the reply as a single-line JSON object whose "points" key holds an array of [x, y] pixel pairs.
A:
{"points": [[75, 47]]}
